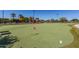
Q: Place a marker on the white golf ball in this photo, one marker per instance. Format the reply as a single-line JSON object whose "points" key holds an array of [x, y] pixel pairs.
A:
{"points": [[60, 42]]}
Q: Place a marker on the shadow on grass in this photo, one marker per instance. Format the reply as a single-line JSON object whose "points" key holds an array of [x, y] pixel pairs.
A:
{"points": [[7, 43], [75, 43]]}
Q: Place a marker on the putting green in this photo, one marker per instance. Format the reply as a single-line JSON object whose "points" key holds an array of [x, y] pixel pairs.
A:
{"points": [[48, 35]]}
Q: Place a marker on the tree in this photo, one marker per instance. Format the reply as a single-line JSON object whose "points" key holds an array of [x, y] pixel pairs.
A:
{"points": [[6, 20], [52, 20], [1, 19], [30, 19], [26, 19], [63, 19], [21, 18], [42, 21], [13, 15], [56, 20], [74, 20], [48, 21], [37, 20]]}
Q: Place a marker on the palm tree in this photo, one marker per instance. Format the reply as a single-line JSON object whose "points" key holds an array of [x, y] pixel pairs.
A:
{"points": [[21, 18], [13, 15]]}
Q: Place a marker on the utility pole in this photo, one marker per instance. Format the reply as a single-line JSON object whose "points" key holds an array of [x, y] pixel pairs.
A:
{"points": [[57, 15], [33, 15], [2, 16]]}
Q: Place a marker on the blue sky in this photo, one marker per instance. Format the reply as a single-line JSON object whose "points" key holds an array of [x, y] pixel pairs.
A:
{"points": [[43, 14]]}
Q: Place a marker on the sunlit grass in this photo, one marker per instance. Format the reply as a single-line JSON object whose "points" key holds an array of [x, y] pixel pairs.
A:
{"points": [[49, 35], [75, 43]]}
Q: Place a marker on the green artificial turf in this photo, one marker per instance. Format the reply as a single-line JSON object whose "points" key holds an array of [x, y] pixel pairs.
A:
{"points": [[45, 35]]}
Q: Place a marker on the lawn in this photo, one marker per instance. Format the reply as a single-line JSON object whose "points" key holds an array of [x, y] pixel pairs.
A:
{"points": [[75, 43], [46, 35]]}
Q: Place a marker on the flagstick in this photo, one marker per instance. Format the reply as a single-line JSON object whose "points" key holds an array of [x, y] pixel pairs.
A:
{"points": [[34, 27]]}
